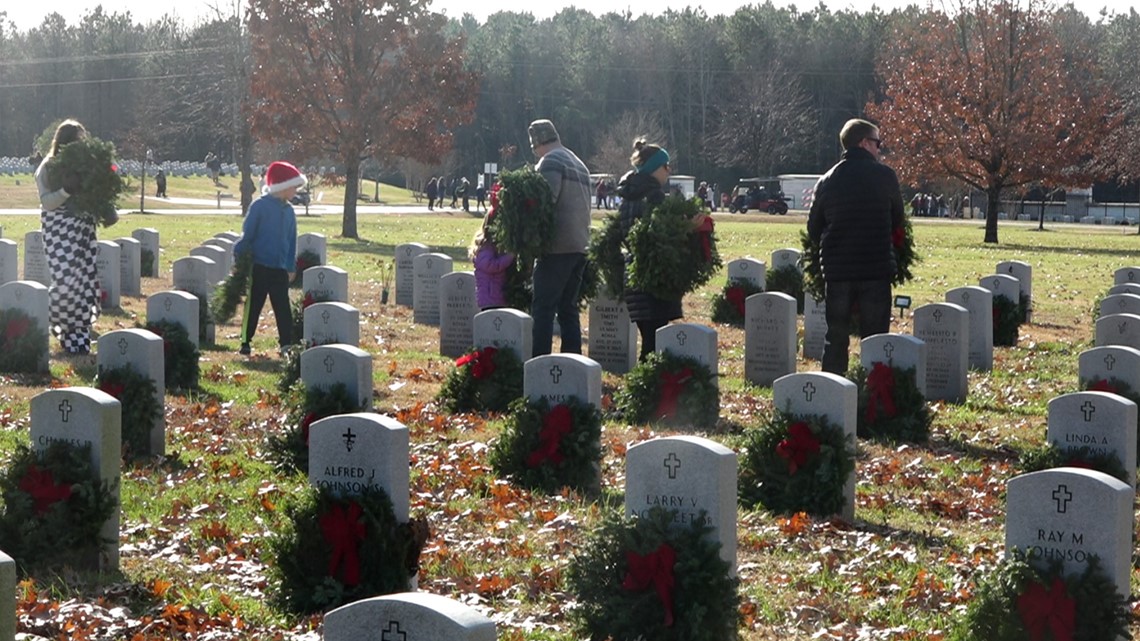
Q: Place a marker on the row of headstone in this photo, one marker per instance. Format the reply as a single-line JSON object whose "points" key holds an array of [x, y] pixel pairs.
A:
{"points": [[31, 298]]}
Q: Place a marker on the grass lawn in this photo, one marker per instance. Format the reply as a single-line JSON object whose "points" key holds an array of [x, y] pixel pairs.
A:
{"points": [[929, 516]]}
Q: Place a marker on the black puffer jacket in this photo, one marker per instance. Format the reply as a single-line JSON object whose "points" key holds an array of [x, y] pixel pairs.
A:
{"points": [[856, 207], [639, 194]]}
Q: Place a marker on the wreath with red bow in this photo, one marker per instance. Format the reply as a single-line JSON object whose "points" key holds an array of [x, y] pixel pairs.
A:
{"points": [[549, 447], [180, 356], [1023, 601], [486, 379], [93, 160], [1114, 385], [299, 305], [670, 389], [523, 223], [646, 578], [305, 260], [728, 306], [796, 464], [336, 549], [138, 397], [1049, 456], [23, 343], [289, 451], [1007, 321], [673, 249], [902, 241], [54, 507], [890, 404]]}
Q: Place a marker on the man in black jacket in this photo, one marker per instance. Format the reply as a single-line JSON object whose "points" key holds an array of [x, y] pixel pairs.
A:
{"points": [[854, 217]]}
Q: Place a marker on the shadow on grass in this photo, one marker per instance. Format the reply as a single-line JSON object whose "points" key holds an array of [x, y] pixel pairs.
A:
{"points": [[387, 250]]}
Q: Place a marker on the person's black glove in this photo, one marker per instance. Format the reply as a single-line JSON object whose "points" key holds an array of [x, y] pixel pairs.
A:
{"points": [[72, 183]]}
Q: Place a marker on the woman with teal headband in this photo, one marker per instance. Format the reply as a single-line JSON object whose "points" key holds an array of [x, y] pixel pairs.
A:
{"points": [[641, 190]]}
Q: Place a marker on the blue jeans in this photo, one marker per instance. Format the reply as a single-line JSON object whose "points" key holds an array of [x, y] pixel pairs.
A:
{"points": [[872, 298], [557, 278]]}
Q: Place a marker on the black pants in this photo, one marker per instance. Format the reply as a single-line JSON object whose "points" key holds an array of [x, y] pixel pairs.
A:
{"points": [[648, 330], [869, 300], [268, 281]]}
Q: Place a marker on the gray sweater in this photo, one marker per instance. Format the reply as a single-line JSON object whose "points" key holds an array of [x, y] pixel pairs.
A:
{"points": [[570, 181]]}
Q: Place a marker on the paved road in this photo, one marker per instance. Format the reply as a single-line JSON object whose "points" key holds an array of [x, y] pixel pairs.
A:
{"points": [[232, 207]]}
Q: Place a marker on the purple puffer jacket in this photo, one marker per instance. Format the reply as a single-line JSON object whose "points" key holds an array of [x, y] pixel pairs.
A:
{"points": [[491, 276]]}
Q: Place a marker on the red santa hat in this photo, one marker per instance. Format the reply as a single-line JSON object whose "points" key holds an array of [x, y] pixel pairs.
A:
{"points": [[281, 176]]}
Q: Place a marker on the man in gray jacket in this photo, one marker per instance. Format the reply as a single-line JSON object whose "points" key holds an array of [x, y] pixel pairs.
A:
{"points": [[558, 273]]}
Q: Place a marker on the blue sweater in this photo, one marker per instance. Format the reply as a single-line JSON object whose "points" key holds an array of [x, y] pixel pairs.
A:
{"points": [[270, 232]]}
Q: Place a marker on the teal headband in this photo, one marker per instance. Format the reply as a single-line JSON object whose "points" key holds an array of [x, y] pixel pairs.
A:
{"points": [[658, 159]]}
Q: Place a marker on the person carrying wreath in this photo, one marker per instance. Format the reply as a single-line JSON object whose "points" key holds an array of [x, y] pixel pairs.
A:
{"points": [[641, 190], [70, 245]]}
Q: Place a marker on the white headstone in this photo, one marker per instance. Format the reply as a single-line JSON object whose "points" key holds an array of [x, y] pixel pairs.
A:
{"points": [[612, 335], [1002, 285], [748, 270], [896, 350], [32, 298], [688, 474], [230, 235], [504, 329], [1118, 329], [349, 453], [1120, 304], [786, 257], [227, 246], [1126, 275], [815, 327], [769, 337], [1023, 272], [315, 243], [405, 272], [325, 283], [175, 307], [194, 274], [1124, 288], [8, 606], [408, 616], [143, 352], [130, 266], [692, 340], [9, 261], [148, 238], [427, 270], [944, 327], [557, 377], [827, 395], [1108, 363], [979, 302], [107, 268], [1070, 515], [327, 323], [457, 309], [326, 365], [1105, 423], [85, 416], [218, 258], [35, 258]]}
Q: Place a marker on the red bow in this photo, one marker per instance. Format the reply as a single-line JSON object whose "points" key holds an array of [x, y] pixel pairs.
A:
{"points": [[735, 295], [1040, 608], [16, 328], [881, 386], [1077, 462], [344, 531], [800, 445], [482, 362], [653, 569], [898, 237], [494, 198], [43, 489], [555, 425], [309, 300], [672, 385], [704, 231], [1101, 385], [113, 388]]}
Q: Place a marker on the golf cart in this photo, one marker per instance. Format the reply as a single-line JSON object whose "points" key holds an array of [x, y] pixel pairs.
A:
{"points": [[758, 194]]}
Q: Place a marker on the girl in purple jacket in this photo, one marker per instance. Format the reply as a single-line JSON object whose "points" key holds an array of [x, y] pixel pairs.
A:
{"points": [[490, 269]]}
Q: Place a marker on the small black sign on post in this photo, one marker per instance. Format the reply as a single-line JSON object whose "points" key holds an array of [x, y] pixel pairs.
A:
{"points": [[903, 303]]}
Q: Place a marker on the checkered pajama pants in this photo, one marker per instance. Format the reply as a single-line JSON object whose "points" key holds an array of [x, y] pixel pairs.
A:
{"points": [[73, 297]]}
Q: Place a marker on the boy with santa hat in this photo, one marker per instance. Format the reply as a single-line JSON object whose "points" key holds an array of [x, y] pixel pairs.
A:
{"points": [[270, 234]]}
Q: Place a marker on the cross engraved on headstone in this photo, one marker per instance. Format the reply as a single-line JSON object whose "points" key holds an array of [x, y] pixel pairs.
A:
{"points": [[555, 373], [167, 303], [1122, 327], [1109, 361], [349, 439], [888, 347], [809, 391], [937, 315], [997, 283], [321, 278], [1088, 409], [329, 362], [681, 337], [64, 409], [768, 304], [19, 294], [123, 345], [498, 323], [965, 297], [325, 315], [1131, 275], [1009, 269], [393, 633], [408, 251], [459, 283], [428, 262], [1062, 496], [1121, 304], [672, 463]]}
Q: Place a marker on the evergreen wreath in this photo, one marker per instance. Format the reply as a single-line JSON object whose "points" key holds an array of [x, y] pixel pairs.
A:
{"points": [[672, 256], [902, 240], [518, 288], [226, 298], [1007, 321], [523, 223], [605, 251], [180, 356], [336, 549], [890, 404], [590, 285], [298, 307], [1116, 386], [672, 389], [1018, 600], [487, 379], [204, 319], [1049, 456], [549, 448], [23, 344], [645, 578], [138, 396], [305, 260], [54, 507], [728, 306], [290, 367], [1023, 307], [93, 160], [796, 464], [289, 451], [146, 263], [787, 280]]}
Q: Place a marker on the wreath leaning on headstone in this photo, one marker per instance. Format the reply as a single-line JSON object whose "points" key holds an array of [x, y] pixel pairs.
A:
{"points": [[289, 451], [890, 404], [336, 549], [93, 160], [902, 240], [24, 343], [299, 305], [646, 578], [1007, 321], [1049, 456], [728, 306], [673, 249], [141, 406], [1018, 600], [54, 507], [787, 280], [550, 447], [180, 356], [487, 379], [796, 464], [146, 263], [1114, 385], [671, 389]]}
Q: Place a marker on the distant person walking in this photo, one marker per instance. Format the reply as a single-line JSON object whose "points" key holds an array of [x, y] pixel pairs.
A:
{"points": [[160, 184], [432, 191], [214, 166]]}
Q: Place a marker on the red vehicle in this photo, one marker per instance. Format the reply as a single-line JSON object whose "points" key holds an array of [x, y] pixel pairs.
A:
{"points": [[758, 194]]}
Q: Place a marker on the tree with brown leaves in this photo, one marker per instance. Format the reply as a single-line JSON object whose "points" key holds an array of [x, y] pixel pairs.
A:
{"points": [[344, 78]]}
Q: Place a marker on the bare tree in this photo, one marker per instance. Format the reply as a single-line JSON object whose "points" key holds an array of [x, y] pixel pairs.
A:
{"points": [[615, 143]]}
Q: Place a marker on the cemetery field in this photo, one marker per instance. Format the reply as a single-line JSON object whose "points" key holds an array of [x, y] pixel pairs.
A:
{"points": [[928, 517]]}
